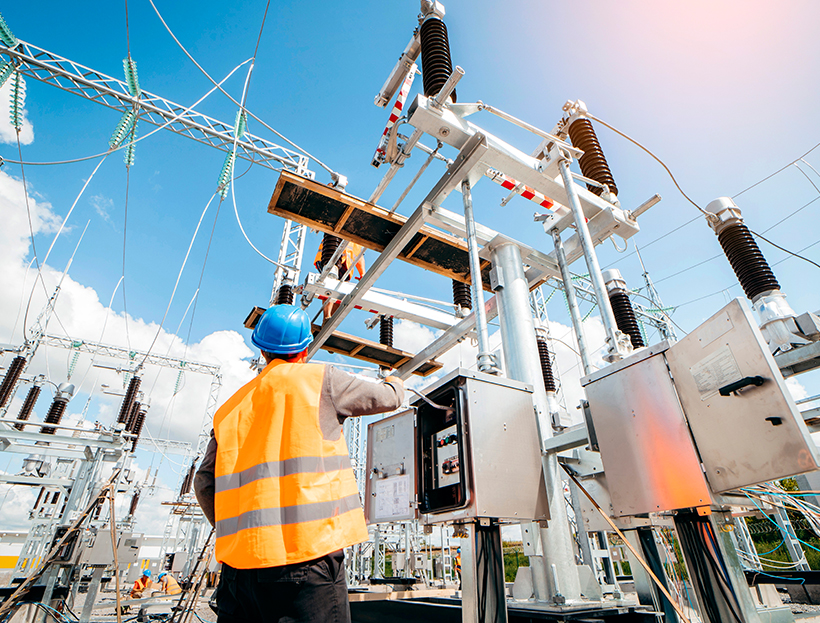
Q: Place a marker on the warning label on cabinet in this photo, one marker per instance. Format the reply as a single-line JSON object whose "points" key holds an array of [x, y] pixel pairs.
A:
{"points": [[393, 497], [715, 371]]}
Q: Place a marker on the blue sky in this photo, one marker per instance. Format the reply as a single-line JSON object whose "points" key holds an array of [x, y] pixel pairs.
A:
{"points": [[724, 92]]}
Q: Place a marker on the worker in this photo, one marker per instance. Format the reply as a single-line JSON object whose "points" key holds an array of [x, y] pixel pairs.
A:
{"points": [[344, 266], [168, 584], [458, 566], [276, 480], [142, 584]]}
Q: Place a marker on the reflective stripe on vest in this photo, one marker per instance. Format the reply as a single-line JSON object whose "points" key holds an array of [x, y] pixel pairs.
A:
{"points": [[284, 494]]}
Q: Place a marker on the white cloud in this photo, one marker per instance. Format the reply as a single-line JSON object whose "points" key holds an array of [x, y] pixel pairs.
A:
{"points": [[796, 389], [8, 133], [102, 205], [177, 404]]}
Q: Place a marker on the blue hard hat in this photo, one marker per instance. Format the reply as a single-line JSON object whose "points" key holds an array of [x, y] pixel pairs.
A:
{"points": [[147, 573], [282, 330], [159, 577]]}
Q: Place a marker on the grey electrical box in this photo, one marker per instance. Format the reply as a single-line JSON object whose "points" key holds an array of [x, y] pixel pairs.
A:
{"points": [[752, 434], [390, 486], [709, 413], [478, 452], [651, 464], [97, 550]]}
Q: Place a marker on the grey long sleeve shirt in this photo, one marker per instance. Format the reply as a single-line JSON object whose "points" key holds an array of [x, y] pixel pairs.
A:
{"points": [[343, 395]]}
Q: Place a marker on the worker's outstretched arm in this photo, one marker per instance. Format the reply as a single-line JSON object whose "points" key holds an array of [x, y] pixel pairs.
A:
{"points": [[353, 395], [204, 483]]}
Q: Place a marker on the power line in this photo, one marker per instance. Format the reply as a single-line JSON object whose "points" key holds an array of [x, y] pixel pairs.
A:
{"points": [[689, 222], [659, 161], [786, 250], [776, 172], [230, 97]]}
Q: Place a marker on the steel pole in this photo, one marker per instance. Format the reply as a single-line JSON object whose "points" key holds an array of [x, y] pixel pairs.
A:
{"points": [[572, 302], [523, 364], [616, 346], [485, 357]]}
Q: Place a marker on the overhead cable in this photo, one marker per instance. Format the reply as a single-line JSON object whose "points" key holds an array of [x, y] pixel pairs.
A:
{"points": [[776, 172], [120, 146], [230, 97], [661, 162]]}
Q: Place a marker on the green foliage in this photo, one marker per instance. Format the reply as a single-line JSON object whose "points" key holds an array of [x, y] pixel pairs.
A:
{"points": [[514, 557]]}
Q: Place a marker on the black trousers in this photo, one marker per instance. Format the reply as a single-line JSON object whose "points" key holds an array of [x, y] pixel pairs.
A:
{"points": [[308, 592]]}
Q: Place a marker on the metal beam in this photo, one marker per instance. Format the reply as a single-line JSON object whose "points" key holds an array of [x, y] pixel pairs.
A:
{"points": [[378, 303], [468, 159], [575, 437], [118, 352], [447, 340], [74, 78], [36, 481], [391, 252], [105, 440]]}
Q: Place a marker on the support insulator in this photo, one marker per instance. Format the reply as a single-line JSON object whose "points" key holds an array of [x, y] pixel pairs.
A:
{"points": [[128, 400], [138, 428], [462, 296], [28, 406], [752, 270], [132, 416], [546, 364], [135, 499], [622, 307], [593, 163], [329, 245], [10, 381], [386, 330], [436, 63], [188, 481], [54, 415], [284, 296]]}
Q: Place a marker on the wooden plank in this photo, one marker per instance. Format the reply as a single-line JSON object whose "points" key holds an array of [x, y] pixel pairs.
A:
{"points": [[372, 352], [415, 247], [323, 208], [343, 220]]}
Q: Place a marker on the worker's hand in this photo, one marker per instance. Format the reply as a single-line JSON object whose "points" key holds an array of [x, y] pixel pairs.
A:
{"points": [[395, 380]]}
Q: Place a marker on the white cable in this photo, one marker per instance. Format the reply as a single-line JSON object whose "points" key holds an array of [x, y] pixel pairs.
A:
{"points": [[142, 138], [179, 276], [241, 105]]}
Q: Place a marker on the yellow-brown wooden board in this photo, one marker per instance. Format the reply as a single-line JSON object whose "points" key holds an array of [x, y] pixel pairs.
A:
{"points": [[372, 352], [332, 211]]}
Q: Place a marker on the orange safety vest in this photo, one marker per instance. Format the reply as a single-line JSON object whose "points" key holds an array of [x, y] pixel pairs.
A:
{"points": [[140, 584], [350, 253], [170, 586], [284, 494]]}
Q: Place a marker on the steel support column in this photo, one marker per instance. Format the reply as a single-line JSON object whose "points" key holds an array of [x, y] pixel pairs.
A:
{"points": [[617, 347], [482, 575], [523, 364]]}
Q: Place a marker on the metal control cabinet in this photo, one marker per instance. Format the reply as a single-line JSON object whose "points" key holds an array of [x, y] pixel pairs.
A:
{"points": [[755, 434], [709, 413], [650, 462], [480, 456], [390, 487]]}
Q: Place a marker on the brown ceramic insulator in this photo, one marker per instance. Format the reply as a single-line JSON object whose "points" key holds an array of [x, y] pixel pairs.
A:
{"points": [[593, 163]]}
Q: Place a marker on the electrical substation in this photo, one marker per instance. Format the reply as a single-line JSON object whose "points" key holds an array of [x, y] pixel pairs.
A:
{"points": [[678, 439]]}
